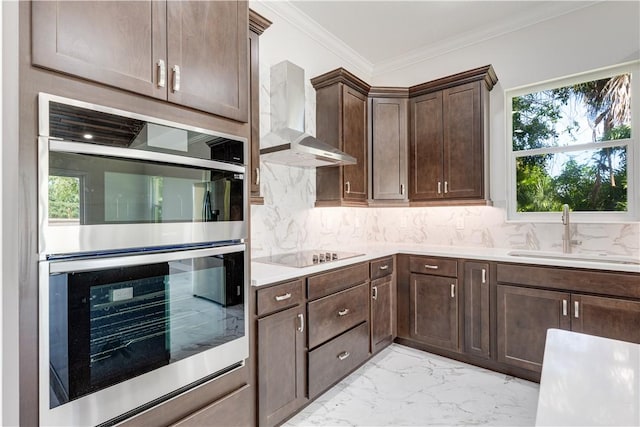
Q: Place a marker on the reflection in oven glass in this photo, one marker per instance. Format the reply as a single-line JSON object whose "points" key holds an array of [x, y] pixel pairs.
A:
{"points": [[110, 325]]}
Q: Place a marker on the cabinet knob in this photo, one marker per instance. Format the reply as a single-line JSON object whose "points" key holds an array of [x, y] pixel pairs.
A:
{"points": [[283, 297], [453, 290], [343, 312], [257, 176], [344, 355], [347, 187], [576, 309], [162, 73], [402, 189], [484, 275], [564, 307], [176, 78], [439, 187], [375, 293], [384, 267], [446, 187], [431, 267], [301, 319]]}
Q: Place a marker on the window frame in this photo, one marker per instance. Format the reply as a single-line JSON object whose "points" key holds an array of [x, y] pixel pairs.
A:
{"points": [[632, 145]]}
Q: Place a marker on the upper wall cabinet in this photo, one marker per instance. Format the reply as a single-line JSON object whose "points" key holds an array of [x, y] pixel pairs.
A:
{"points": [[388, 145], [449, 139], [341, 120], [189, 53]]}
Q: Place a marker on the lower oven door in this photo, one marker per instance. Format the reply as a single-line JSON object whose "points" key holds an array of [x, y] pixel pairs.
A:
{"points": [[117, 333]]}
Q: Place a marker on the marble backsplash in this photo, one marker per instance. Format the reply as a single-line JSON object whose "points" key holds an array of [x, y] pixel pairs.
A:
{"points": [[289, 222]]}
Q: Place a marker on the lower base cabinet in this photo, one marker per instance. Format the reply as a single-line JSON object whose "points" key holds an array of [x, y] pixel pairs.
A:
{"points": [[227, 411], [333, 360], [434, 310], [381, 313], [525, 315]]}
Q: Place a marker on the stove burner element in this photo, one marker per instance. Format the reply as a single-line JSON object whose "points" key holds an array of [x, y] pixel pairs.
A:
{"points": [[305, 258]]}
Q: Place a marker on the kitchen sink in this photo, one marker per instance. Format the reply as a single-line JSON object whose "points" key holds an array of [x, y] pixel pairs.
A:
{"points": [[614, 259]]}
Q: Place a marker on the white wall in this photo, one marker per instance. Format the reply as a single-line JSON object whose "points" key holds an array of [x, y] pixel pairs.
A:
{"points": [[597, 36], [9, 291]]}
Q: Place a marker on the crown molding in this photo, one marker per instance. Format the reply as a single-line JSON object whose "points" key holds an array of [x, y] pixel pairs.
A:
{"points": [[474, 37], [258, 23], [305, 24], [340, 75]]}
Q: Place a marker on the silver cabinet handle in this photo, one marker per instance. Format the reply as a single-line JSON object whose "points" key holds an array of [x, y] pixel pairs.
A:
{"points": [[176, 78], [301, 319], [257, 176], [348, 187], [446, 187], [576, 309], [344, 355], [564, 307], [162, 73], [431, 267], [453, 290], [402, 189], [384, 267], [283, 297], [439, 187], [343, 312], [375, 293], [484, 275]]}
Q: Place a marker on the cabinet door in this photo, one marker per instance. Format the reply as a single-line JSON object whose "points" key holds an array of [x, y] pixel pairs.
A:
{"points": [[354, 142], [434, 310], [524, 315], [389, 148], [425, 170], [476, 309], [463, 161], [606, 317], [281, 365], [381, 313], [208, 41], [116, 43]]}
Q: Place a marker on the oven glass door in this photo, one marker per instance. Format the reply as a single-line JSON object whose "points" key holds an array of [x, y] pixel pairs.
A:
{"points": [[111, 320]]}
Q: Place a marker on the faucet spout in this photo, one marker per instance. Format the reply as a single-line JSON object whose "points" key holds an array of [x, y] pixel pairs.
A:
{"points": [[566, 237]]}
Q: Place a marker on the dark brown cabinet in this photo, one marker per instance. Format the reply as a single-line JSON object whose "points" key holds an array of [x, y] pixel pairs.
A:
{"points": [[449, 138], [282, 360], [525, 313], [389, 145], [382, 313], [257, 25], [223, 412], [477, 325], [434, 310], [189, 53], [339, 331], [383, 303], [341, 120]]}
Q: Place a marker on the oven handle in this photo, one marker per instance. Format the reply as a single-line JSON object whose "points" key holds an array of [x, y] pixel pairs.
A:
{"points": [[131, 260], [127, 153]]}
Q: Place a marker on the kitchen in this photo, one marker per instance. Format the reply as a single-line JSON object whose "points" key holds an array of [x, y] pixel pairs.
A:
{"points": [[288, 220]]}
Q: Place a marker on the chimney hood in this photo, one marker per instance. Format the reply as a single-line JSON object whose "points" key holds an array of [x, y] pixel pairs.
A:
{"points": [[287, 143]]}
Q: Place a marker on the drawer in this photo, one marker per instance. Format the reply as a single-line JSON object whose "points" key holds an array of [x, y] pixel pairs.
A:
{"points": [[335, 359], [223, 412], [381, 267], [279, 297], [434, 266], [332, 315], [328, 283]]}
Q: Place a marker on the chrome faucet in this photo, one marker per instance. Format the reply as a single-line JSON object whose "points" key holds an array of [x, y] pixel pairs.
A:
{"points": [[566, 236]]}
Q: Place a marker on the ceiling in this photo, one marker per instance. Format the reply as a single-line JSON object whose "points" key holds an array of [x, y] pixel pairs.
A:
{"points": [[382, 32]]}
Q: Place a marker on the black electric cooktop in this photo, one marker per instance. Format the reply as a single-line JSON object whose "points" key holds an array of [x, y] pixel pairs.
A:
{"points": [[305, 258]]}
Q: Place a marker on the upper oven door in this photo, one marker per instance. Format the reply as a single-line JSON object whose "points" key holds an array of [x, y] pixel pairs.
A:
{"points": [[155, 186]]}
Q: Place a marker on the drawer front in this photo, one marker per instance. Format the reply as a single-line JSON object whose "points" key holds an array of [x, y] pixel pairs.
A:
{"points": [[434, 266], [381, 268], [328, 283], [335, 359], [280, 297], [332, 315]]}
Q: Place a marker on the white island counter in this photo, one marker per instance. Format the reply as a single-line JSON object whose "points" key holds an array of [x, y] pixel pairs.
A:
{"points": [[589, 381]]}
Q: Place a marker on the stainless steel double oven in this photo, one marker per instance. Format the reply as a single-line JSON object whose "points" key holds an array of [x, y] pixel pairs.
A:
{"points": [[143, 267]]}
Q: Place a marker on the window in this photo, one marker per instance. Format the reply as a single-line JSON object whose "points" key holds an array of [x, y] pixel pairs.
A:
{"points": [[573, 142]]}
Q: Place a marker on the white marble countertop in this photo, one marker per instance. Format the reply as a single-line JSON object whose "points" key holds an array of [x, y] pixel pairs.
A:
{"points": [[264, 274], [589, 381]]}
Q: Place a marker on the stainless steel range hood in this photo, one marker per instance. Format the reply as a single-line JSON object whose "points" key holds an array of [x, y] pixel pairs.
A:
{"points": [[287, 143]]}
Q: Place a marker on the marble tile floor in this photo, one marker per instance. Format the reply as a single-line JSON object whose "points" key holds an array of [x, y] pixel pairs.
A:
{"points": [[402, 386]]}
